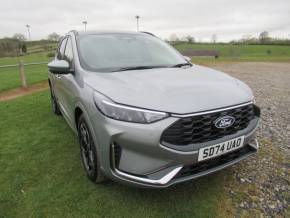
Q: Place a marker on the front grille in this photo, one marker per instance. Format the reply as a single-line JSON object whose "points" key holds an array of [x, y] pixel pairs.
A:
{"points": [[201, 128], [212, 163]]}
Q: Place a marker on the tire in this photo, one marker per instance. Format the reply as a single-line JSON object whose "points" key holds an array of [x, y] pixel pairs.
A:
{"points": [[88, 152], [54, 104]]}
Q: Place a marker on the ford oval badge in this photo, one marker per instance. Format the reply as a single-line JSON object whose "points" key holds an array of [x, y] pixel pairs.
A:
{"points": [[224, 122]]}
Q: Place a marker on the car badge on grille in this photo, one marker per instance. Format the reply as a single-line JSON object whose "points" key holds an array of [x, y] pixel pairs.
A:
{"points": [[224, 122]]}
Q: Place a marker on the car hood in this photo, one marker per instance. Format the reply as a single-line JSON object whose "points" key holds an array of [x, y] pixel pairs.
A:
{"points": [[175, 90]]}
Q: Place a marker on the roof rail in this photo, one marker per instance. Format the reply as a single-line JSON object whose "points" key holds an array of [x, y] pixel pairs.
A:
{"points": [[147, 33], [73, 31]]}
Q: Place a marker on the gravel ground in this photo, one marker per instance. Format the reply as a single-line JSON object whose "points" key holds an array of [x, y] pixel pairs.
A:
{"points": [[262, 184]]}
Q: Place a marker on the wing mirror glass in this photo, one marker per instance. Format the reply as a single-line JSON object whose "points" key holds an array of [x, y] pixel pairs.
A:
{"points": [[59, 67]]}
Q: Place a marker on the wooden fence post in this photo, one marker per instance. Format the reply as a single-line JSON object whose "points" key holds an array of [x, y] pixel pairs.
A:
{"points": [[22, 74]]}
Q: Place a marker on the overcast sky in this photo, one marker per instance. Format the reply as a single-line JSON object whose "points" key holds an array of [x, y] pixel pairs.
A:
{"points": [[228, 19]]}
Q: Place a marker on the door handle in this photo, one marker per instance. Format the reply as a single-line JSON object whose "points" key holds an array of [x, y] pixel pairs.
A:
{"points": [[58, 76]]}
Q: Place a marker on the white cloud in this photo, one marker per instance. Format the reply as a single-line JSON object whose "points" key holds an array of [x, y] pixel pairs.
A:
{"points": [[201, 18]]}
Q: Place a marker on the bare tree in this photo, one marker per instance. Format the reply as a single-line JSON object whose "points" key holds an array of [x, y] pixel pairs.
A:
{"points": [[183, 39], [264, 37], [19, 36], [24, 48], [54, 37], [214, 38], [248, 39], [9, 47], [190, 39], [173, 38]]}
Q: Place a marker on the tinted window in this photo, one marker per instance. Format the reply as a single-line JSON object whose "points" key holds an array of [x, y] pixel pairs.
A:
{"points": [[68, 54], [109, 52], [60, 53]]}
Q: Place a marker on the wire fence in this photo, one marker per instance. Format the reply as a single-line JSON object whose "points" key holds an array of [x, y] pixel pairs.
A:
{"points": [[22, 74], [24, 64]]}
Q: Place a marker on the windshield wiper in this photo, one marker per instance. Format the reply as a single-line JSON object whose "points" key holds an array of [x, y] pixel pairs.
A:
{"points": [[181, 65], [135, 68]]}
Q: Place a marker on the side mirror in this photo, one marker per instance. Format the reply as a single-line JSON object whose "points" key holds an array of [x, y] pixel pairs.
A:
{"points": [[59, 67], [188, 59]]}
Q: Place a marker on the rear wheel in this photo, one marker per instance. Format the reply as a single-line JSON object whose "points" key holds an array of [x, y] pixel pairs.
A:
{"points": [[89, 152], [54, 105]]}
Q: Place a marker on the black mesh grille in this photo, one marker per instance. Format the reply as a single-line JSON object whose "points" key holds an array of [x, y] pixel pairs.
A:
{"points": [[212, 163], [201, 128], [117, 154]]}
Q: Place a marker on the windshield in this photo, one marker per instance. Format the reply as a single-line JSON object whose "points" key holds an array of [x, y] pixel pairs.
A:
{"points": [[113, 52]]}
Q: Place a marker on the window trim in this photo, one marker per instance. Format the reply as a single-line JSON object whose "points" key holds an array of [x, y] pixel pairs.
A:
{"points": [[64, 56], [59, 46]]}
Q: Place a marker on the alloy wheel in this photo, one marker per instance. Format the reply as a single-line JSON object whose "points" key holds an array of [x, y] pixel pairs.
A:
{"points": [[86, 148]]}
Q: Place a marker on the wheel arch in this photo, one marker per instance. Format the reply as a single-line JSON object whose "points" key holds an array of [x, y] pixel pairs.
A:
{"points": [[80, 109], [78, 112], [49, 83]]}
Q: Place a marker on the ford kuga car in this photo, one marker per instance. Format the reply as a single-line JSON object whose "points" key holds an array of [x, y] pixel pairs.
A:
{"points": [[144, 114]]}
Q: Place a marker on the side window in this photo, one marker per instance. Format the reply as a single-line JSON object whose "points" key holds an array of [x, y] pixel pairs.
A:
{"points": [[61, 48], [68, 54]]}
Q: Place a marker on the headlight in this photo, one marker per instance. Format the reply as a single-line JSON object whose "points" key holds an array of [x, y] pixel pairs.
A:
{"points": [[126, 113]]}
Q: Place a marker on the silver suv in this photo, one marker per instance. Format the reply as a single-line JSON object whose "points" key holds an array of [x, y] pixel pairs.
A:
{"points": [[144, 114]]}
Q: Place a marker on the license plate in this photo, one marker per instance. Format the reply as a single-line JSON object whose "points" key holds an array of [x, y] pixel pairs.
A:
{"points": [[220, 149]]}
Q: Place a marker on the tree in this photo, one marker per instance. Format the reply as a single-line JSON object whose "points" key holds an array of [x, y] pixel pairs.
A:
{"points": [[24, 48], [19, 37], [214, 38], [190, 39], [264, 37], [9, 47], [173, 38], [54, 37], [248, 39]]}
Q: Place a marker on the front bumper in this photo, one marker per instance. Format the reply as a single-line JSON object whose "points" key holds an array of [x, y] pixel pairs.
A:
{"points": [[179, 174], [141, 159]]}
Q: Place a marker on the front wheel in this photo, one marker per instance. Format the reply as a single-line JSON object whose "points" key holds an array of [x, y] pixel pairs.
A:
{"points": [[89, 152]]}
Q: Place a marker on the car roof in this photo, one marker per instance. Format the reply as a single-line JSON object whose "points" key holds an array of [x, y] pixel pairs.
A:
{"points": [[96, 32]]}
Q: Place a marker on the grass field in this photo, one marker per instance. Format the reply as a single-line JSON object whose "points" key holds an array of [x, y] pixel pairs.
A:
{"points": [[9, 76], [42, 176], [230, 52], [37, 57], [10, 79]]}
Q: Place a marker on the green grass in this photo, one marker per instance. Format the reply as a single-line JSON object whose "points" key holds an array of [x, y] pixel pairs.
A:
{"points": [[41, 48], [42, 176], [9, 76], [10, 79], [39, 57], [241, 52]]}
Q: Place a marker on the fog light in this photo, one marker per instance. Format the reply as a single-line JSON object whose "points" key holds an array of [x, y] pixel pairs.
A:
{"points": [[116, 154]]}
